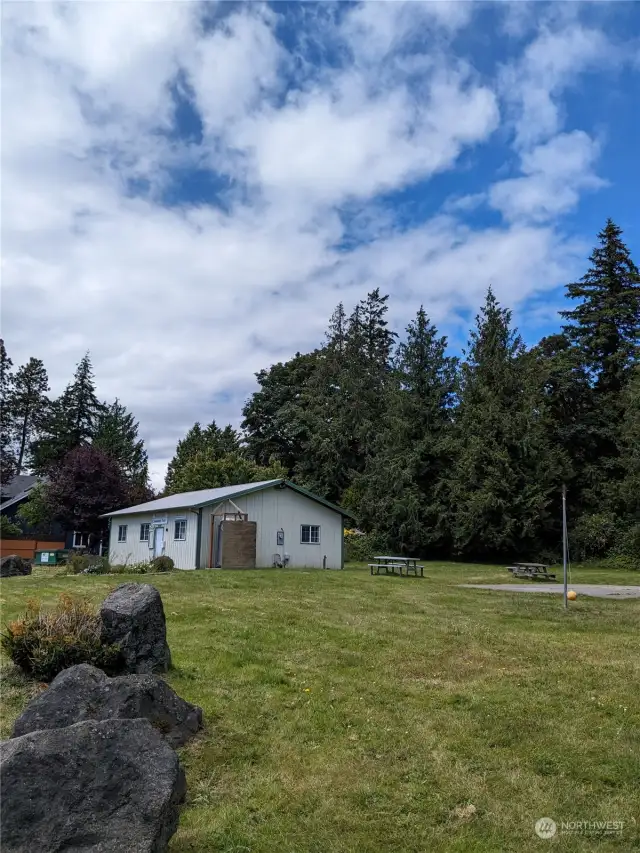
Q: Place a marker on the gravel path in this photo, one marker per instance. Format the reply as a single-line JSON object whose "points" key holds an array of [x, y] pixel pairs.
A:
{"points": [[599, 591]]}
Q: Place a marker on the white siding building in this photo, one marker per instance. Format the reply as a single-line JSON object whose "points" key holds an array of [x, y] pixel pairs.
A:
{"points": [[252, 525]]}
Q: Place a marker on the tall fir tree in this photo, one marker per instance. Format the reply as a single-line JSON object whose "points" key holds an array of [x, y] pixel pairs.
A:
{"points": [[72, 422], [605, 324], [604, 328], [7, 455], [28, 406], [344, 397], [399, 496], [505, 476], [117, 436]]}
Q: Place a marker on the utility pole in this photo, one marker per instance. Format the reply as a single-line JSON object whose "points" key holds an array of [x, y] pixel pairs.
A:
{"points": [[564, 543]]}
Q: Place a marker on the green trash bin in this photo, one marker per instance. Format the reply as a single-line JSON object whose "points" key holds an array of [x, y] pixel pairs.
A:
{"points": [[47, 558]]}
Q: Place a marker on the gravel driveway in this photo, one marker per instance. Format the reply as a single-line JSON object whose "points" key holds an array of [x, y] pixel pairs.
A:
{"points": [[599, 590]]}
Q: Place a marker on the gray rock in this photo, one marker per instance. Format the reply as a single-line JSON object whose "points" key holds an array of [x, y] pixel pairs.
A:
{"points": [[85, 693], [133, 617], [107, 787], [12, 566]]}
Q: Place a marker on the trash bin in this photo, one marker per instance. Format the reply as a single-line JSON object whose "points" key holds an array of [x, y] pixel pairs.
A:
{"points": [[46, 558]]}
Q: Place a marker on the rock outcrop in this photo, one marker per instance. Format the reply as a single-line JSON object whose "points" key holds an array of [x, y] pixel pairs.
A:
{"points": [[85, 693], [105, 787], [133, 616]]}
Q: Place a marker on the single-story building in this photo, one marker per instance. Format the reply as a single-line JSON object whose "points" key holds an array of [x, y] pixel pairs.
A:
{"points": [[253, 525]]}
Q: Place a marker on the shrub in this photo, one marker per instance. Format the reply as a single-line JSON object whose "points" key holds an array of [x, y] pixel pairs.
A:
{"points": [[162, 564], [593, 536], [89, 564], [142, 567], [43, 643], [361, 547]]}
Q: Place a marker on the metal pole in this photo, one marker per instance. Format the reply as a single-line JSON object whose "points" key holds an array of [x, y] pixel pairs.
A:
{"points": [[564, 543]]}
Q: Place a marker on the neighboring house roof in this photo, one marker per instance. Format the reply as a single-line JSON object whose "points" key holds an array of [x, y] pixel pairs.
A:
{"points": [[204, 497], [17, 490]]}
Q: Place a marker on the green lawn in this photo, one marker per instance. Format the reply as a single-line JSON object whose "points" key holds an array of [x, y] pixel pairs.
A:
{"points": [[352, 714]]}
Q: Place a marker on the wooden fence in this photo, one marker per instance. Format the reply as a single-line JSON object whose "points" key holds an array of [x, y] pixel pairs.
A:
{"points": [[27, 548]]}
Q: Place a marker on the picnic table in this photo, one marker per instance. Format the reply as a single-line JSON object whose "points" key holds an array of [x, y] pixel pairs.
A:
{"points": [[533, 571], [393, 564]]}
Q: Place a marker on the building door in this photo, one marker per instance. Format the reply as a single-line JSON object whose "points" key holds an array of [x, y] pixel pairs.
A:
{"points": [[158, 541]]}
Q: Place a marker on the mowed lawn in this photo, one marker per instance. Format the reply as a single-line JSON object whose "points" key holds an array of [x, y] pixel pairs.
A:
{"points": [[352, 714]]}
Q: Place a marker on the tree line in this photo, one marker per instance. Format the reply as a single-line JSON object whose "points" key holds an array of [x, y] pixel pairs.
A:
{"points": [[87, 452], [434, 454], [444, 456]]}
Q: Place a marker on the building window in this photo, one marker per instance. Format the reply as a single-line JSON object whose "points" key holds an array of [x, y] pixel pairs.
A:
{"points": [[180, 529], [80, 540], [310, 534], [122, 533], [144, 532]]}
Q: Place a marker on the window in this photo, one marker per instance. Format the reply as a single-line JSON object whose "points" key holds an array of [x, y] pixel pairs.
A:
{"points": [[144, 532], [122, 533], [80, 540], [310, 534], [180, 529]]}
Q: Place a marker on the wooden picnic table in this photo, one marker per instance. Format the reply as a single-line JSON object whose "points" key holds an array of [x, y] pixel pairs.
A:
{"points": [[390, 564], [533, 571]]}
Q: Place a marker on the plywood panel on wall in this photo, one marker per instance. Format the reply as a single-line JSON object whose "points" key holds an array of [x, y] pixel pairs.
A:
{"points": [[239, 544]]}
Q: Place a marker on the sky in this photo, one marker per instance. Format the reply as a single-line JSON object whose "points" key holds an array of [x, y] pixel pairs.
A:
{"points": [[188, 189]]}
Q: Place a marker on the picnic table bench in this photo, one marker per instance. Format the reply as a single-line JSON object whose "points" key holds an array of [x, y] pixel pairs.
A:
{"points": [[391, 564], [533, 571]]}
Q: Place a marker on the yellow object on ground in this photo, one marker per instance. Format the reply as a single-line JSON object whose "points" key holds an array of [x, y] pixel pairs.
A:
{"points": [[572, 595]]}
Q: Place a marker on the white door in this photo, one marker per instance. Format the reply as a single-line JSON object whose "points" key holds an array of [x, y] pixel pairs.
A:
{"points": [[158, 541]]}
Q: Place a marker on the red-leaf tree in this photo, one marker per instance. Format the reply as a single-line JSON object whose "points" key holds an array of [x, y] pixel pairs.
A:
{"points": [[86, 484]]}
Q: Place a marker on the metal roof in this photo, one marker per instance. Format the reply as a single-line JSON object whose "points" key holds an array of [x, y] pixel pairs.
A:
{"points": [[17, 490], [204, 497]]}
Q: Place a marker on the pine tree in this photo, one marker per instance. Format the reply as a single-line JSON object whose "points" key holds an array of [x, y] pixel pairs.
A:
{"points": [[206, 469], [73, 420], [630, 435], [28, 407], [7, 456], [606, 323], [343, 399], [399, 496], [604, 329], [117, 436], [505, 474], [212, 441]]}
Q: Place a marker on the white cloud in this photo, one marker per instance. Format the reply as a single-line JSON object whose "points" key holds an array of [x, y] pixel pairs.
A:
{"points": [[554, 175], [181, 305]]}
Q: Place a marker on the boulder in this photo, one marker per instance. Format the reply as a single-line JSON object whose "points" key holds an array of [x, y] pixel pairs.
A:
{"points": [[13, 565], [85, 693], [133, 617], [105, 787]]}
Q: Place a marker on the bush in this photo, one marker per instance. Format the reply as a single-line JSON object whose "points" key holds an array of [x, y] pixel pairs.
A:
{"points": [[43, 643], [89, 564], [361, 547], [162, 564], [593, 536]]}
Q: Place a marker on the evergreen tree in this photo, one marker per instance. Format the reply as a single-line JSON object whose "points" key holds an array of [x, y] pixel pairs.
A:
{"points": [[274, 425], [117, 436], [505, 474], [604, 329], [630, 434], [28, 404], [7, 456], [344, 398], [206, 469], [73, 420], [605, 325], [399, 496], [213, 441]]}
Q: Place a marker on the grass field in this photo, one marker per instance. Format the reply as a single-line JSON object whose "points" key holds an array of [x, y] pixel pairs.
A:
{"points": [[351, 714]]}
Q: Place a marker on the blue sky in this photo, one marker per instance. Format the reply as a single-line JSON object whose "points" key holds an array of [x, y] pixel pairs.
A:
{"points": [[189, 189]]}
